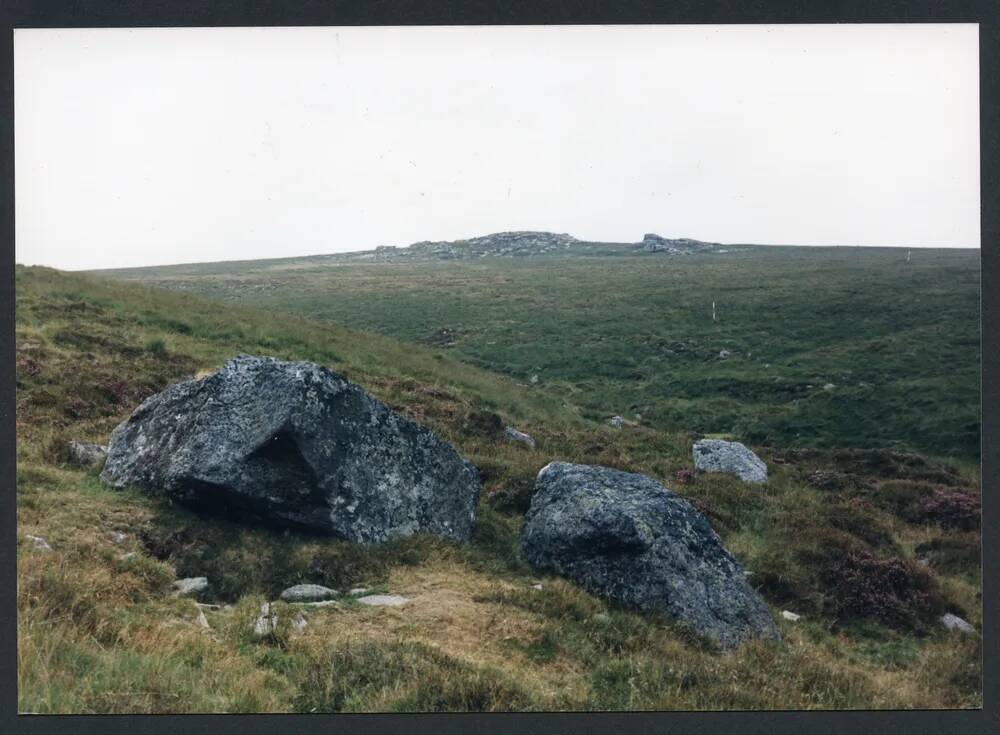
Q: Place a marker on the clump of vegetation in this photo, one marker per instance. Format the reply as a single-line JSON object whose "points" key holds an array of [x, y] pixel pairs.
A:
{"points": [[404, 677], [951, 508], [891, 590], [157, 346]]}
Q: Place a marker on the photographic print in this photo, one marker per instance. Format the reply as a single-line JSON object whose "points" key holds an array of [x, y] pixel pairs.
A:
{"points": [[498, 368]]}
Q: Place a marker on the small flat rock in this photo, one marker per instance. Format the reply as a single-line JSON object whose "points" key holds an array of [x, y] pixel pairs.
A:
{"points": [[788, 615], [201, 620], [716, 455], [127, 556], [118, 537], [537, 587], [190, 586], [953, 622], [308, 593], [354, 591], [513, 435], [321, 603], [38, 542], [299, 623], [616, 421], [383, 600]]}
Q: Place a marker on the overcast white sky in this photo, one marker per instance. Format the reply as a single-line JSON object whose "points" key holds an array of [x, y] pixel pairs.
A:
{"points": [[142, 147]]}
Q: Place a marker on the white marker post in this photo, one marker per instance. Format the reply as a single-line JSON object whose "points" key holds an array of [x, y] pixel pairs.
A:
{"points": [[713, 311]]}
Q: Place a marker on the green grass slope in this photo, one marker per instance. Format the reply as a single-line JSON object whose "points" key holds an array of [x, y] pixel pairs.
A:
{"points": [[869, 546], [830, 347]]}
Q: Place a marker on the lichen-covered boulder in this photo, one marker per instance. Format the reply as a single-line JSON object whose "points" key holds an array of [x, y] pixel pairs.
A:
{"points": [[716, 455], [626, 537], [294, 444]]}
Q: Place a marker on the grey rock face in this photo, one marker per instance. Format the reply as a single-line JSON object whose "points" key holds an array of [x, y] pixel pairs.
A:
{"points": [[953, 622], [85, 454], [716, 455], [514, 435], [267, 622], [190, 586], [627, 538], [39, 543], [294, 444], [652, 243], [308, 593]]}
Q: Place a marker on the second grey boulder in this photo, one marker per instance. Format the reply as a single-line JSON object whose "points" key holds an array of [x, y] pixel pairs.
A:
{"points": [[627, 538]]}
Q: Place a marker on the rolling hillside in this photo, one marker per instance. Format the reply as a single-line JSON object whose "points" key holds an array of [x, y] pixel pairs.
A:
{"points": [[868, 545], [810, 347]]}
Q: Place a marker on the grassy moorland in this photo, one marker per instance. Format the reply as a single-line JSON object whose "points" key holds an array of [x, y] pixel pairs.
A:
{"points": [[869, 545], [829, 347]]}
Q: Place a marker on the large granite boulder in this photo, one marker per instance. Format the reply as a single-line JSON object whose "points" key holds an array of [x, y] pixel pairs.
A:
{"points": [[627, 538], [716, 455], [294, 444]]}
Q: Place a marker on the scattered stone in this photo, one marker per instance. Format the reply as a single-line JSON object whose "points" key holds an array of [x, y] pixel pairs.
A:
{"points": [[723, 354], [202, 621], [266, 622], [294, 444], [208, 606], [626, 537], [534, 379], [299, 623], [190, 586], [85, 454], [514, 435], [357, 591], [716, 455], [38, 542], [383, 600], [616, 421], [308, 593], [118, 537], [321, 603], [127, 556], [536, 587], [829, 386], [953, 622], [788, 615]]}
